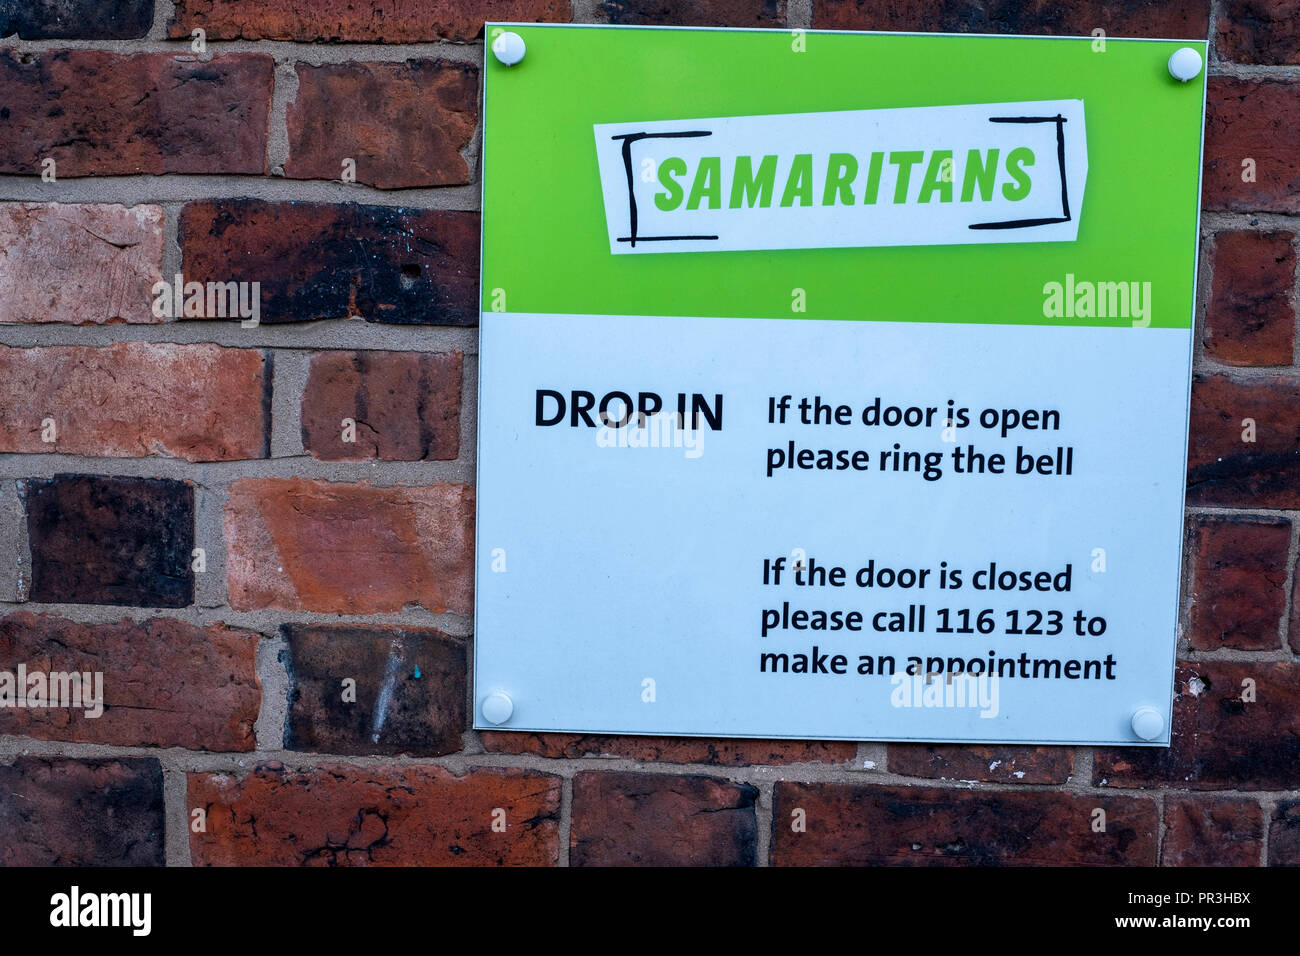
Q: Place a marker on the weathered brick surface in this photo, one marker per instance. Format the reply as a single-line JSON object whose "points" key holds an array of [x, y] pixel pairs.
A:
{"points": [[166, 683], [405, 406], [1239, 573], [396, 21], [95, 812], [108, 540], [712, 751], [407, 693], [349, 549], [1260, 31], [322, 261], [1252, 119], [991, 763], [1225, 470], [1219, 742], [79, 263], [76, 19], [729, 13], [1173, 19], [626, 819], [132, 400], [846, 824], [149, 113], [342, 815], [1212, 831], [402, 124], [1294, 629], [1284, 834], [1251, 319]]}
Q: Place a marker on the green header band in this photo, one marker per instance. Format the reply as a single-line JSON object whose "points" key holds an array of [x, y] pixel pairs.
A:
{"points": [[546, 248]]}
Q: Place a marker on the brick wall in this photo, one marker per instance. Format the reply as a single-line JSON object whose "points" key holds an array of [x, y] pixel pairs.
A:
{"points": [[178, 510]]}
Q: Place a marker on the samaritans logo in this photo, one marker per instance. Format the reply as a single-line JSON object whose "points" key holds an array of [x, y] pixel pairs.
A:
{"points": [[938, 175]]}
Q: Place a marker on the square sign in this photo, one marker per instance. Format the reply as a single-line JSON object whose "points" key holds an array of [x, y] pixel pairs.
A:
{"points": [[834, 385]]}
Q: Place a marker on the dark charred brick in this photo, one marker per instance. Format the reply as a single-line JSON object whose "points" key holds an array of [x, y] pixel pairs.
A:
{"points": [[1219, 740], [106, 540], [834, 824], [329, 261], [1251, 319], [625, 819], [1284, 834], [96, 113], [76, 19], [402, 124], [1294, 630], [409, 690], [63, 812], [989, 763], [1225, 470], [1212, 831], [405, 405], [692, 13], [1175, 19]]}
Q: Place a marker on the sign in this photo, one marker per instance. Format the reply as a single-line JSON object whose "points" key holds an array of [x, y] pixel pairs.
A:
{"points": [[928, 176], [834, 385]]}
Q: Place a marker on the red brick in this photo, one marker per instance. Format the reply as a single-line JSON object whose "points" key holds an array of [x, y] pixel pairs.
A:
{"points": [[1224, 470], [701, 13], [166, 683], [1284, 834], [856, 825], [405, 406], [1219, 742], [705, 750], [1260, 31], [350, 21], [136, 399], [349, 549], [99, 539], [992, 764], [1212, 831], [330, 261], [626, 819], [60, 812], [1257, 120], [150, 113], [84, 264], [403, 124], [1175, 19], [408, 696], [77, 19], [1239, 573], [1251, 319], [343, 815]]}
